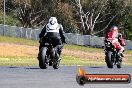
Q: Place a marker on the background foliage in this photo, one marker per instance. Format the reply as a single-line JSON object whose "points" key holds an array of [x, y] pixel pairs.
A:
{"points": [[76, 16]]}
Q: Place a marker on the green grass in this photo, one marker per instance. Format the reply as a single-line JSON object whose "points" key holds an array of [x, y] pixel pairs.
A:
{"points": [[90, 49], [83, 48], [128, 52], [18, 41], [17, 61], [35, 43], [32, 61], [66, 60], [70, 60]]}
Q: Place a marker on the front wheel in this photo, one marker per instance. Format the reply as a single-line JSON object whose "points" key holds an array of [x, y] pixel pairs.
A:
{"points": [[42, 58], [108, 59]]}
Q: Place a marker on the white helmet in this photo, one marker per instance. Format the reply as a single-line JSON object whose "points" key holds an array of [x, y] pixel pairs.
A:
{"points": [[53, 25], [52, 20]]}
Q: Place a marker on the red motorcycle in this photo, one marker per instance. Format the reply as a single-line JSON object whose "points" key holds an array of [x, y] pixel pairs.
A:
{"points": [[112, 57]]}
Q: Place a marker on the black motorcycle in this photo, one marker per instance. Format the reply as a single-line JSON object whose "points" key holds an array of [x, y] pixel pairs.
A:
{"points": [[112, 57], [48, 55]]}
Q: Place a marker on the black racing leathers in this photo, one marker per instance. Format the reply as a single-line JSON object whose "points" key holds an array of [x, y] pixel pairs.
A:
{"points": [[55, 38]]}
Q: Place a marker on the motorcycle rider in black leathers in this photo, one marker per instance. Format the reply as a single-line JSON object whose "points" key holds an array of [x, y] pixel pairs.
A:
{"points": [[54, 32]]}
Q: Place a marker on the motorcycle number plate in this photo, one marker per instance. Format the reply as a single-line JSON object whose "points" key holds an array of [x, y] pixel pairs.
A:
{"points": [[46, 43]]}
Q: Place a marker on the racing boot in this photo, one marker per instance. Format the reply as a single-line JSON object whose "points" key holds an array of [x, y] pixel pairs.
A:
{"points": [[119, 56], [59, 51]]}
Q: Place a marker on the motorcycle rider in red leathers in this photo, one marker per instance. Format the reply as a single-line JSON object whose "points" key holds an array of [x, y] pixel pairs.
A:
{"points": [[116, 38]]}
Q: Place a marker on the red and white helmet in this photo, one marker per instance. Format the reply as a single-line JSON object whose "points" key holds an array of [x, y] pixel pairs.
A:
{"points": [[114, 28]]}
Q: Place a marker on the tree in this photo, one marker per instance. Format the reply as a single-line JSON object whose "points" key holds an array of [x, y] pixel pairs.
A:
{"points": [[24, 14], [38, 12], [126, 23], [93, 15], [64, 13], [31, 14], [98, 12], [123, 9]]}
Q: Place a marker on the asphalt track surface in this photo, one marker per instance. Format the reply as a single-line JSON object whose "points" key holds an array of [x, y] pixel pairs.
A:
{"points": [[64, 77]]}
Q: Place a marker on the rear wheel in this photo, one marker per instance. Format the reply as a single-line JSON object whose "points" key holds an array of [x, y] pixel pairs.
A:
{"points": [[108, 59], [42, 58]]}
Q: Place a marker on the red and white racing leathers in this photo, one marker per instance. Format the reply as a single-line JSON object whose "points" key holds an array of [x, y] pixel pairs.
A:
{"points": [[117, 40]]}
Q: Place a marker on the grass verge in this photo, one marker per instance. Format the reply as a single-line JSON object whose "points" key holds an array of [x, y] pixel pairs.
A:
{"points": [[21, 41], [32, 61], [66, 60]]}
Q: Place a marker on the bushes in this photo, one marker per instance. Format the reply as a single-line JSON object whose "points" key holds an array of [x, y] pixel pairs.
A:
{"points": [[35, 13], [127, 30], [10, 20]]}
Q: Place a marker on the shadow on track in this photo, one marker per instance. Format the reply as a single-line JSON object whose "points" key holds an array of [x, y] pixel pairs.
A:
{"points": [[95, 67], [14, 67], [32, 68], [24, 68]]}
